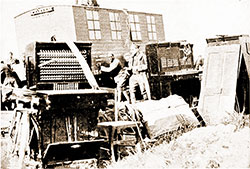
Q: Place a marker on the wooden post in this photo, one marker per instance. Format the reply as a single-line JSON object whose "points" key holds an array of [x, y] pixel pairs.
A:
{"points": [[17, 131], [24, 137], [116, 105], [111, 141], [75, 128], [38, 134], [68, 128], [160, 82], [13, 123]]}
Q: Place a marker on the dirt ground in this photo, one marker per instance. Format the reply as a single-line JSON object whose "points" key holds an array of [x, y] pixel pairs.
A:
{"points": [[5, 123], [221, 146], [4, 154]]}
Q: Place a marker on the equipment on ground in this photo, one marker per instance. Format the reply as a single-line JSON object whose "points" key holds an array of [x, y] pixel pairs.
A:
{"points": [[171, 70]]}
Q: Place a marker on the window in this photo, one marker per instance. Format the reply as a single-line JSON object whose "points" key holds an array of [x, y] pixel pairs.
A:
{"points": [[135, 27], [93, 25], [163, 62], [151, 28], [115, 25]]}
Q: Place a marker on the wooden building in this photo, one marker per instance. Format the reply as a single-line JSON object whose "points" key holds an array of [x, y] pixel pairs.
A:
{"points": [[109, 30]]}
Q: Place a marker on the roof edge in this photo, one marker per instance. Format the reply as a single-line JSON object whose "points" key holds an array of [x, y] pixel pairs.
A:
{"points": [[83, 6]]}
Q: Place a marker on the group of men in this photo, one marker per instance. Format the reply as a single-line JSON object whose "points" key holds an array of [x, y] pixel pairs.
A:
{"points": [[130, 71]]}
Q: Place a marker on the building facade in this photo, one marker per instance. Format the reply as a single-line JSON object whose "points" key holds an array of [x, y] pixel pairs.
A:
{"points": [[109, 30]]}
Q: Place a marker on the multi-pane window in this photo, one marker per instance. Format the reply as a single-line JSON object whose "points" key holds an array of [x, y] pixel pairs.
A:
{"points": [[151, 28], [168, 63], [163, 62], [135, 27], [93, 25], [115, 25]]}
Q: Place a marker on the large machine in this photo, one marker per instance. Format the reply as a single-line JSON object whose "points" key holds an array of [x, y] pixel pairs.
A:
{"points": [[56, 118], [172, 70], [53, 66]]}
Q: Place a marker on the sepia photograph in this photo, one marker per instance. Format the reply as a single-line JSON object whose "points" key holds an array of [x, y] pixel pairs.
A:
{"points": [[89, 84]]}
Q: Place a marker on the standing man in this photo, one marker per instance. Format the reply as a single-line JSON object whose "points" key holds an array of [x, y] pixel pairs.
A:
{"points": [[199, 63], [9, 82], [10, 60], [13, 65], [138, 65], [119, 70]]}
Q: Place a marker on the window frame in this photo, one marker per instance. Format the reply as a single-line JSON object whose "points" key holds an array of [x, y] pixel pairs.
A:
{"points": [[135, 27], [151, 27], [115, 26], [93, 24]]}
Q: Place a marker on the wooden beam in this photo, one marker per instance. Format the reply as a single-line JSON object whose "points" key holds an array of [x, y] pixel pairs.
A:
{"points": [[85, 67]]}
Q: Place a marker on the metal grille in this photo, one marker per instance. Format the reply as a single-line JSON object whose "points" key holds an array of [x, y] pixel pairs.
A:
{"points": [[60, 65], [65, 86]]}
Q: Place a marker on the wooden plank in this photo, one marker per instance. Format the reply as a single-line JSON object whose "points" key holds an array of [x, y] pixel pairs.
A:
{"points": [[125, 142], [84, 65], [24, 137], [118, 124], [75, 128], [219, 81], [70, 92]]}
